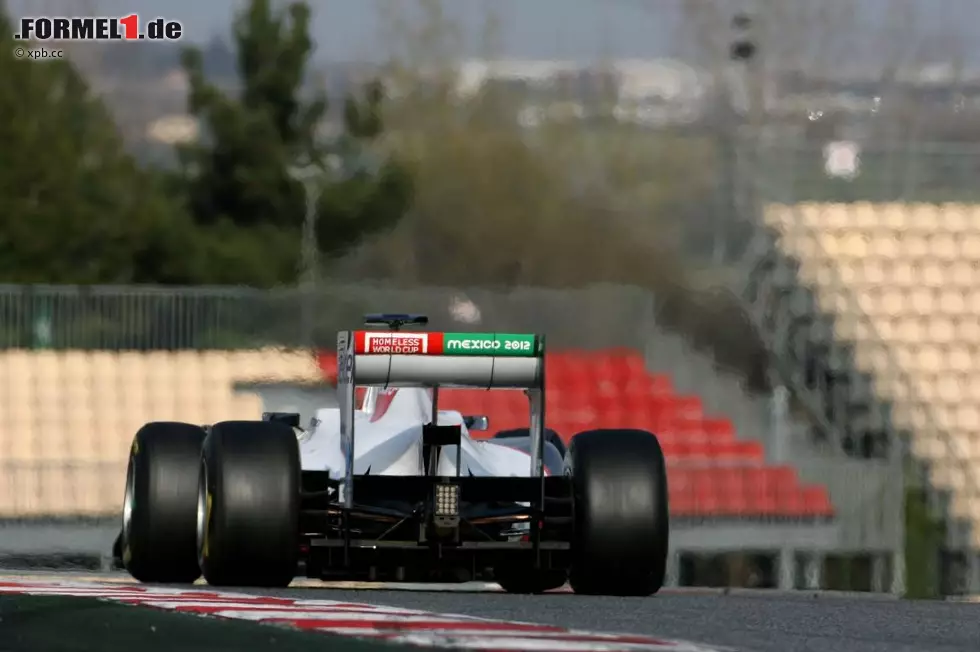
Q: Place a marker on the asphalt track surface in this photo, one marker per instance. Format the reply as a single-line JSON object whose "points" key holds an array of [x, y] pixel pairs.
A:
{"points": [[751, 622], [773, 622]]}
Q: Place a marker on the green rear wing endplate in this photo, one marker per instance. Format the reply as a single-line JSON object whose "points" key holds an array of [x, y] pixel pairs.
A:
{"points": [[473, 360]]}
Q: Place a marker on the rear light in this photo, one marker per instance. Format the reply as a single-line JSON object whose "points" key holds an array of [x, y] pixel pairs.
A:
{"points": [[446, 505], [447, 500]]}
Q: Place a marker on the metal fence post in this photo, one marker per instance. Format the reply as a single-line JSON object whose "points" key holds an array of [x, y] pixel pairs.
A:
{"points": [[779, 405]]}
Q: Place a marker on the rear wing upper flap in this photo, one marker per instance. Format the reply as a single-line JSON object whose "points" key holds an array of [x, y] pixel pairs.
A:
{"points": [[476, 360]]}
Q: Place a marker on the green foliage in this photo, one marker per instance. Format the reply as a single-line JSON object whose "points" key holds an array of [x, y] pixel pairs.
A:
{"points": [[74, 207], [923, 542], [249, 210]]}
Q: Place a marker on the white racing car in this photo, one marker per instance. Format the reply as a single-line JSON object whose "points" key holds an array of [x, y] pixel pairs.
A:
{"points": [[397, 489]]}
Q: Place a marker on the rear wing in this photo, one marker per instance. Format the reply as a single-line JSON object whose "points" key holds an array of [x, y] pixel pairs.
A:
{"points": [[432, 359], [469, 360]]}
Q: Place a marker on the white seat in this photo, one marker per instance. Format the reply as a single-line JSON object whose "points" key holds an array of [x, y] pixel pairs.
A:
{"points": [[922, 301], [865, 215], [927, 358], [967, 419], [941, 329], [872, 271], [961, 358], [914, 270], [963, 273], [922, 217], [956, 302], [907, 244], [70, 416], [969, 245], [849, 245], [943, 246]]}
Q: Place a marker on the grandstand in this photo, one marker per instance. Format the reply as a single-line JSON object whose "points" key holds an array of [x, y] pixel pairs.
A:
{"points": [[69, 416], [891, 293]]}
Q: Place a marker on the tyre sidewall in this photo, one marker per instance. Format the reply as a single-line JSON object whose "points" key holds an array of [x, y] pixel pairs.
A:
{"points": [[252, 482], [157, 546], [618, 550]]}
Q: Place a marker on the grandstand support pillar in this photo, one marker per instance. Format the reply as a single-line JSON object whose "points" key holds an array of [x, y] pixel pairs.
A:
{"points": [[973, 581], [787, 569], [898, 573], [813, 572], [779, 407], [310, 174], [879, 569], [672, 578]]}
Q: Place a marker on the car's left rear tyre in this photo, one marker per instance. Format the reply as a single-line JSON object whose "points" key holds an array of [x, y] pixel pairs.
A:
{"points": [[248, 504], [157, 541]]}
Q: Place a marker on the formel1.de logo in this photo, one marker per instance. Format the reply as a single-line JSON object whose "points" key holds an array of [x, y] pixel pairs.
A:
{"points": [[98, 28]]}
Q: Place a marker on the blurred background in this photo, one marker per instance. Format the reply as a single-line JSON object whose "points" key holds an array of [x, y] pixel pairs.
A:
{"points": [[751, 226]]}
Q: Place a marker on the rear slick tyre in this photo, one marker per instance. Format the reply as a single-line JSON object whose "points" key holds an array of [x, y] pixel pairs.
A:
{"points": [[621, 519], [157, 542], [248, 504]]}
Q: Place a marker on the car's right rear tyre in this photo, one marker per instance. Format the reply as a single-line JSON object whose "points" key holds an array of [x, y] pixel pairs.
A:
{"points": [[248, 504], [621, 520], [157, 543]]}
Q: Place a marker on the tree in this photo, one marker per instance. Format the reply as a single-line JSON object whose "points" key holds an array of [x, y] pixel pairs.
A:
{"points": [[239, 189], [74, 207]]}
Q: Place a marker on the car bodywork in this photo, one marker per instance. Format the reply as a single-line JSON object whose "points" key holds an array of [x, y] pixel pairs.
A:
{"points": [[389, 425], [396, 488]]}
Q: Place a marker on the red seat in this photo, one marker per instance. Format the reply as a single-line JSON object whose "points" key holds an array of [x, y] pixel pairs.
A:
{"points": [[565, 429], [722, 493], [687, 406], [621, 366], [670, 427], [764, 495], [816, 502], [327, 361], [718, 429], [768, 486], [558, 369], [685, 449], [682, 427], [681, 495], [464, 401], [661, 385], [743, 492]]}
